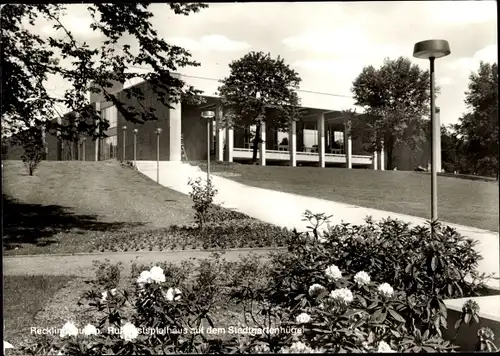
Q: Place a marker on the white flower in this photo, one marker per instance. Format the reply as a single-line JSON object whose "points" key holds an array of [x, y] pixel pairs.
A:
{"points": [[384, 347], [89, 329], [144, 278], [157, 274], [333, 273], [362, 278], [303, 318], [113, 291], [104, 296], [343, 294], [173, 294], [300, 348], [261, 349], [129, 332], [68, 329], [316, 289], [386, 289]]}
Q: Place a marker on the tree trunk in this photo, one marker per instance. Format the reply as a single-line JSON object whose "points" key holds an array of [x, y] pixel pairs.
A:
{"points": [[256, 141], [390, 152]]}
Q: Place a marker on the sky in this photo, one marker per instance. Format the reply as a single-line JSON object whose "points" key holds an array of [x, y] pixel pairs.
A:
{"points": [[327, 43]]}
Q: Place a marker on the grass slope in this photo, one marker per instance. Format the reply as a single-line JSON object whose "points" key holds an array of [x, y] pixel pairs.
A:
{"points": [[64, 202]]}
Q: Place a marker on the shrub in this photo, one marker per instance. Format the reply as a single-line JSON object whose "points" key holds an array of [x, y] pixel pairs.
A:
{"points": [[34, 148], [202, 196], [107, 275]]}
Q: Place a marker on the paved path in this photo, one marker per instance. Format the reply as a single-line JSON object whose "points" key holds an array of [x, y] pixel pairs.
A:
{"points": [[81, 264], [285, 209]]}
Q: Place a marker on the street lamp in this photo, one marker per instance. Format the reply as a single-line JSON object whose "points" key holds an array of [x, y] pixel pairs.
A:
{"points": [[135, 147], [209, 115], [124, 135], [158, 132], [432, 49]]}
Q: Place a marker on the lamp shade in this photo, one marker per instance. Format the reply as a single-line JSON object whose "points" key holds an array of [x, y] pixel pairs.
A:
{"points": [[207, 114], [431, 49]]}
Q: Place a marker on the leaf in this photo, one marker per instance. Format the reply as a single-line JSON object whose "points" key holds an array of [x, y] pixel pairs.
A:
{"points": [[396, 316], [458, 322], [443, 308], [450, 289], [476, 318], [376, 314], [428, 349], [416, 349], [467, 318], [434, 263], [395, 333]]}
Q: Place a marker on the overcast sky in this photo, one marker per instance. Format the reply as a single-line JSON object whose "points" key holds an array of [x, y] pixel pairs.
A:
{"points": [[328, 43]]}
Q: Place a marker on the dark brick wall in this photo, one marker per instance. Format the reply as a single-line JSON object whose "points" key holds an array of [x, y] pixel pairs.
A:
{"points": [[146, 136]]}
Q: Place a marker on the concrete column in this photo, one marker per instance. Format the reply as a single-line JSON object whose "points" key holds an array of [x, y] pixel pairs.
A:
{"points": [[98, 109], [375, 160], [262, 144], [382, 156], [219, 134], [175, 132], [321, 140], [292, 143], [229, 144], [348, 144]]}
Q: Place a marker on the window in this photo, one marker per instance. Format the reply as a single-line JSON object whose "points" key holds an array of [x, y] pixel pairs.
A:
{"points": [[110, 114]]}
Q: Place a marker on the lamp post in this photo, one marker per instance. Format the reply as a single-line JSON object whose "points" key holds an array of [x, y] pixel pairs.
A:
{"points": [[432, 49], [135, 147], [209, 115], [158, 132], [124, 136]]}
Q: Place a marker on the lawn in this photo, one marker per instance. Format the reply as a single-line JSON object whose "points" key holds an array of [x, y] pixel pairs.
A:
{"points": [[57, 209], [461, 201], [24, 297]]}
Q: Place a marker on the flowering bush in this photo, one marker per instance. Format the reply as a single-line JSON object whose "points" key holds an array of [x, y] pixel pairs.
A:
{"points": [[320, 298]]}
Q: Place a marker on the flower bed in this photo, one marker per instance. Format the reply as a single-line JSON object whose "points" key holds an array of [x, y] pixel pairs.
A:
{"points": [[345, 289], [222, 234]]}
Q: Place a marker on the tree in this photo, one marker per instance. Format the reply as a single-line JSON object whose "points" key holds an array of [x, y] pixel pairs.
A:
{"points": [[259, 89], [395, 98], [34, 148], [479, 126], [28, 59]]}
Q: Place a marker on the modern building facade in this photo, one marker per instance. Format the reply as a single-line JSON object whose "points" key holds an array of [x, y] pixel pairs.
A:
{"points": [[319, 137]]}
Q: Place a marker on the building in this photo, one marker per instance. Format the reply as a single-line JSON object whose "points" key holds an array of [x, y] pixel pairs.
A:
{"points": [[331, 145]]}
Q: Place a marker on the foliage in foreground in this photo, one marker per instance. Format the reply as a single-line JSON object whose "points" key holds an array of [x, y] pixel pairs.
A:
{"points": [[320, 296]]}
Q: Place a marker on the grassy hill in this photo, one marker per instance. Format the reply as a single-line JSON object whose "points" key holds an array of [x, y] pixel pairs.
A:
{"points": [[460, 201]]}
